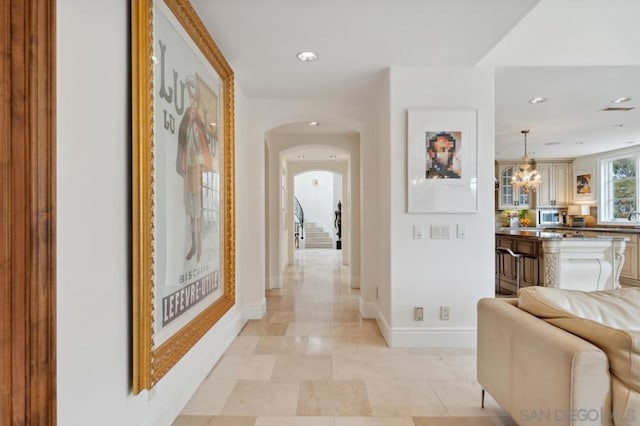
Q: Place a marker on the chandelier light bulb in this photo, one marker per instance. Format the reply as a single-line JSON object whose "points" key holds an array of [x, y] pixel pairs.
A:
{"points": [[527, 180]]}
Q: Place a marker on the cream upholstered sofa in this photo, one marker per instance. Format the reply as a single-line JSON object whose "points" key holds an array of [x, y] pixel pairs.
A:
{"points": [[562, 357]]}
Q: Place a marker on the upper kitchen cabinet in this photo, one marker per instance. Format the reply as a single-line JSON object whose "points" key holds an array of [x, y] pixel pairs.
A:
{"points": [[555, 189], [508, 196]]}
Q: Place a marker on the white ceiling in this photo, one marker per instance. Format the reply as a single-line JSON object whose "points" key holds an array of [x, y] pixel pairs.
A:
{"points": [[354, 39], [572, 116], [357, 39]]}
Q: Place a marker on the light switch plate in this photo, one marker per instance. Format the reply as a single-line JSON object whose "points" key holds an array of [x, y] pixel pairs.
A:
{"points": [[460, 231], [418, 232], [439, 232]]}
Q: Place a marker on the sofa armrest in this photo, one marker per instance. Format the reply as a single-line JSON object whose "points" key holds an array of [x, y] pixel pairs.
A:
{"points": [[538, 372]]}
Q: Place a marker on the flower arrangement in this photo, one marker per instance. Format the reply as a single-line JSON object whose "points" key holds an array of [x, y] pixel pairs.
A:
{"points": [[508, 214]]}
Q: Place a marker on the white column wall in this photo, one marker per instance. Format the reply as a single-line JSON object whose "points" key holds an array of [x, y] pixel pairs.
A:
{"points": [[94, 318], [431, 272]]}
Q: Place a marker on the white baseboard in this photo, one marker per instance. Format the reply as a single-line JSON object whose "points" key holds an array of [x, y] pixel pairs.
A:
{"points": [[172, 399], [419, 337], [368, 310], [431, 337], [256, 310]]}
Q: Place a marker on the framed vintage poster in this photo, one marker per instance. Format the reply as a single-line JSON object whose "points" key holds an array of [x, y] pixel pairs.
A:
{"points": [[583, 188], [441, 161], [182, 185]]}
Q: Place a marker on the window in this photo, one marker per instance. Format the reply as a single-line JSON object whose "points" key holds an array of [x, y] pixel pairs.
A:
{"points": [[619, 194]]}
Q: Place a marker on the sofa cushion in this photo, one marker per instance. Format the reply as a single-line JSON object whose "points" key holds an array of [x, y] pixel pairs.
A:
{"points": [[608, 319]]}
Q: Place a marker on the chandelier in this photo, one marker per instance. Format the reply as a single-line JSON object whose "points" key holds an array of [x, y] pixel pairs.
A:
{"points": [[525, 178]]}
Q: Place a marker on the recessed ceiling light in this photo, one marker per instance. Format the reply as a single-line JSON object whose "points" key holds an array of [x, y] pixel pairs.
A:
{"points": [[307, 56], [630, 142], [313, 124], [578, 143], [300, 157], [537, 100], [553, 143], [333, 157], [620, 100], [618, 125]]}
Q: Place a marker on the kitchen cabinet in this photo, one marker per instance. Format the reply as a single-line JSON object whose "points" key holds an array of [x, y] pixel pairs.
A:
{"points": [[555, 189], [508, 196]]}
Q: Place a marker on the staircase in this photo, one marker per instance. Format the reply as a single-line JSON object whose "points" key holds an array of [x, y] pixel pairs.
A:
{"points": [[316, 237]]}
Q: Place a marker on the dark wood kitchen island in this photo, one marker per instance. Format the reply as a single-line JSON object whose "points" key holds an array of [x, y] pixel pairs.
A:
{"points": [[581, 263]]}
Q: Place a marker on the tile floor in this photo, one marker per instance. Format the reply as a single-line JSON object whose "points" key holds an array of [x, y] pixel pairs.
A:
{"points": [[312, 361]]}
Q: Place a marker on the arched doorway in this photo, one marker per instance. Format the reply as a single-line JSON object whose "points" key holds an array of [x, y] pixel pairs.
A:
{"points": [[292, 149]]}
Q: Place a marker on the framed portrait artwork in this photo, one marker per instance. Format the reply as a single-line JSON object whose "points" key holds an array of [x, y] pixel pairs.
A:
{"points": [[583, 188], [441, 161], [182, 185]]}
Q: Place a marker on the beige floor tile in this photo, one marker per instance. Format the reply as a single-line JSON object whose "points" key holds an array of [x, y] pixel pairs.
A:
{"points": [[243, 345], [279, 345], [232, 421], [312, 361], [427, 367], [374, 421], [333, 398], [463, 366], [294, 421], [254, 367], [462, 398], [308, 329], [365, 328], [291, 316], [262, 398], [463, 421], [210, 397], [331, 316], [264, 328], [357, 366], [191, 421], [403, 398], [303, 367], [321, 345]]}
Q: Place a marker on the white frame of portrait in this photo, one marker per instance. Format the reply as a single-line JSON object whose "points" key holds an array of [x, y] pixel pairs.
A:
{"points": [[574, 186], [430, 195]]}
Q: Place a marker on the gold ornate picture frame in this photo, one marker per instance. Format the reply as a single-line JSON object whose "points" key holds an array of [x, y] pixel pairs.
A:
{"points": [[182, 185]]}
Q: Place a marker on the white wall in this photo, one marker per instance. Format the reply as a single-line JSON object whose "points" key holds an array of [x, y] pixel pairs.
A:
{"points": [[432, 272], [94, 353], [317, 200]]}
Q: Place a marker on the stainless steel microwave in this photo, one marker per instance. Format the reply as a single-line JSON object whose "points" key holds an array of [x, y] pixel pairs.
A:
{"points": [[549, 217]]}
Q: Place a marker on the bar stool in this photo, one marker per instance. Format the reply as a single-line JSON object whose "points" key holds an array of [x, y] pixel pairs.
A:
{"points": [[500, 251]]}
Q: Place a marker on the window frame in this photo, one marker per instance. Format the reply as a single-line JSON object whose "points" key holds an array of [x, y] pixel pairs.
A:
{"points": [[604, 162]]}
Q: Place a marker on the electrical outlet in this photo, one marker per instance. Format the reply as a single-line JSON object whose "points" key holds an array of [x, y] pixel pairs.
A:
{"points": [[418, 313], [444, 313]]}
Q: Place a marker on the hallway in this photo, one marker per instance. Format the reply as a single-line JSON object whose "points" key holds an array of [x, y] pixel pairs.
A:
{"points": [[312, 361]]}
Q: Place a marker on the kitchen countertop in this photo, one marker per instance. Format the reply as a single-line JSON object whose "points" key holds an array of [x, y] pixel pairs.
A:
{"points": [[594, 229], [537, 234]]}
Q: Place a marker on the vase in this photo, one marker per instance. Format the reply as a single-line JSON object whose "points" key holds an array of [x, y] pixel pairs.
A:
{"points": [[514, 222]]}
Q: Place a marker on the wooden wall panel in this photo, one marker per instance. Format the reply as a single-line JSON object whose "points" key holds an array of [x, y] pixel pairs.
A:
{"points": [[27, 213]]}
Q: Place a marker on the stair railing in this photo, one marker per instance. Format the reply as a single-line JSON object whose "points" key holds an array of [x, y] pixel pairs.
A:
{"points": [[299, 214]]}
